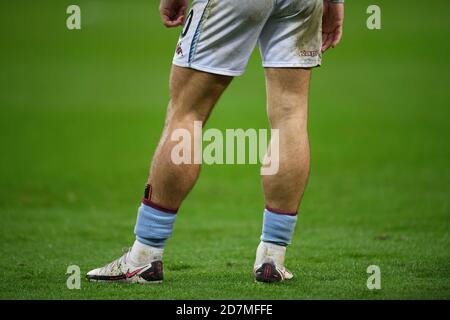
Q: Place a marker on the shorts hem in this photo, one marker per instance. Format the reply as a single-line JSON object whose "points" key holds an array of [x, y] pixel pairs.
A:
{"points": [[223, 72], [292, 65]]}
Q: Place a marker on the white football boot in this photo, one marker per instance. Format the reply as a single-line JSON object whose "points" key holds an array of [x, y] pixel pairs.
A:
{"points": [[269, 263], [121, 270]]}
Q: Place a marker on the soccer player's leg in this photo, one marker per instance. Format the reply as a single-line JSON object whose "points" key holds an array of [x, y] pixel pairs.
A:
{"points": [[287, 91], [290, 45], [193, 95]]}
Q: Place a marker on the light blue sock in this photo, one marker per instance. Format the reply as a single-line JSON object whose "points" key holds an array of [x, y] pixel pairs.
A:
{"points": [[278, 227], [154, 226]]}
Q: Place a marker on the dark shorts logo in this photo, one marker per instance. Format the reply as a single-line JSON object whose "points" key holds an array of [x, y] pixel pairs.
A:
{"points": [[179, 50], [306, 53]]}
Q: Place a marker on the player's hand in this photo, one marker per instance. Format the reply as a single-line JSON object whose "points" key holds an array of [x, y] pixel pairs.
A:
{"points": [[332, 23], [173, 12]]}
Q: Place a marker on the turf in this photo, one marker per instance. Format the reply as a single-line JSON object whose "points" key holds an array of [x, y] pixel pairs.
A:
{"points": [[81, 113]]}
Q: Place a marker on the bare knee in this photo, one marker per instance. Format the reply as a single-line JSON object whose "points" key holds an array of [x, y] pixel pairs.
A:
{"points": [[186, 119], [287, 95]]}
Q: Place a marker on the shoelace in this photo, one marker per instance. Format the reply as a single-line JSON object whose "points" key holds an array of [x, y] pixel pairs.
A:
{"points": [[117, 262]]}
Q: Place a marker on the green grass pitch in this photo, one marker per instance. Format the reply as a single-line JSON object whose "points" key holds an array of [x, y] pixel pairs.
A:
{"points": [[81, 113]]}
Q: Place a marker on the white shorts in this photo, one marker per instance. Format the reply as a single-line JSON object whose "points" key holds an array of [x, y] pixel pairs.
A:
{"points": [[219, 35]]}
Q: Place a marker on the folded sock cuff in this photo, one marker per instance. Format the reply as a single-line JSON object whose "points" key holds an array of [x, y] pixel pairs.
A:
{"points": [[278, 228], [153, 226], [153, 205]]}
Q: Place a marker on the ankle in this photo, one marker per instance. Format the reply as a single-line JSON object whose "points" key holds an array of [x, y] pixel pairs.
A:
{"points": [[142, 254], [270, 252]]}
